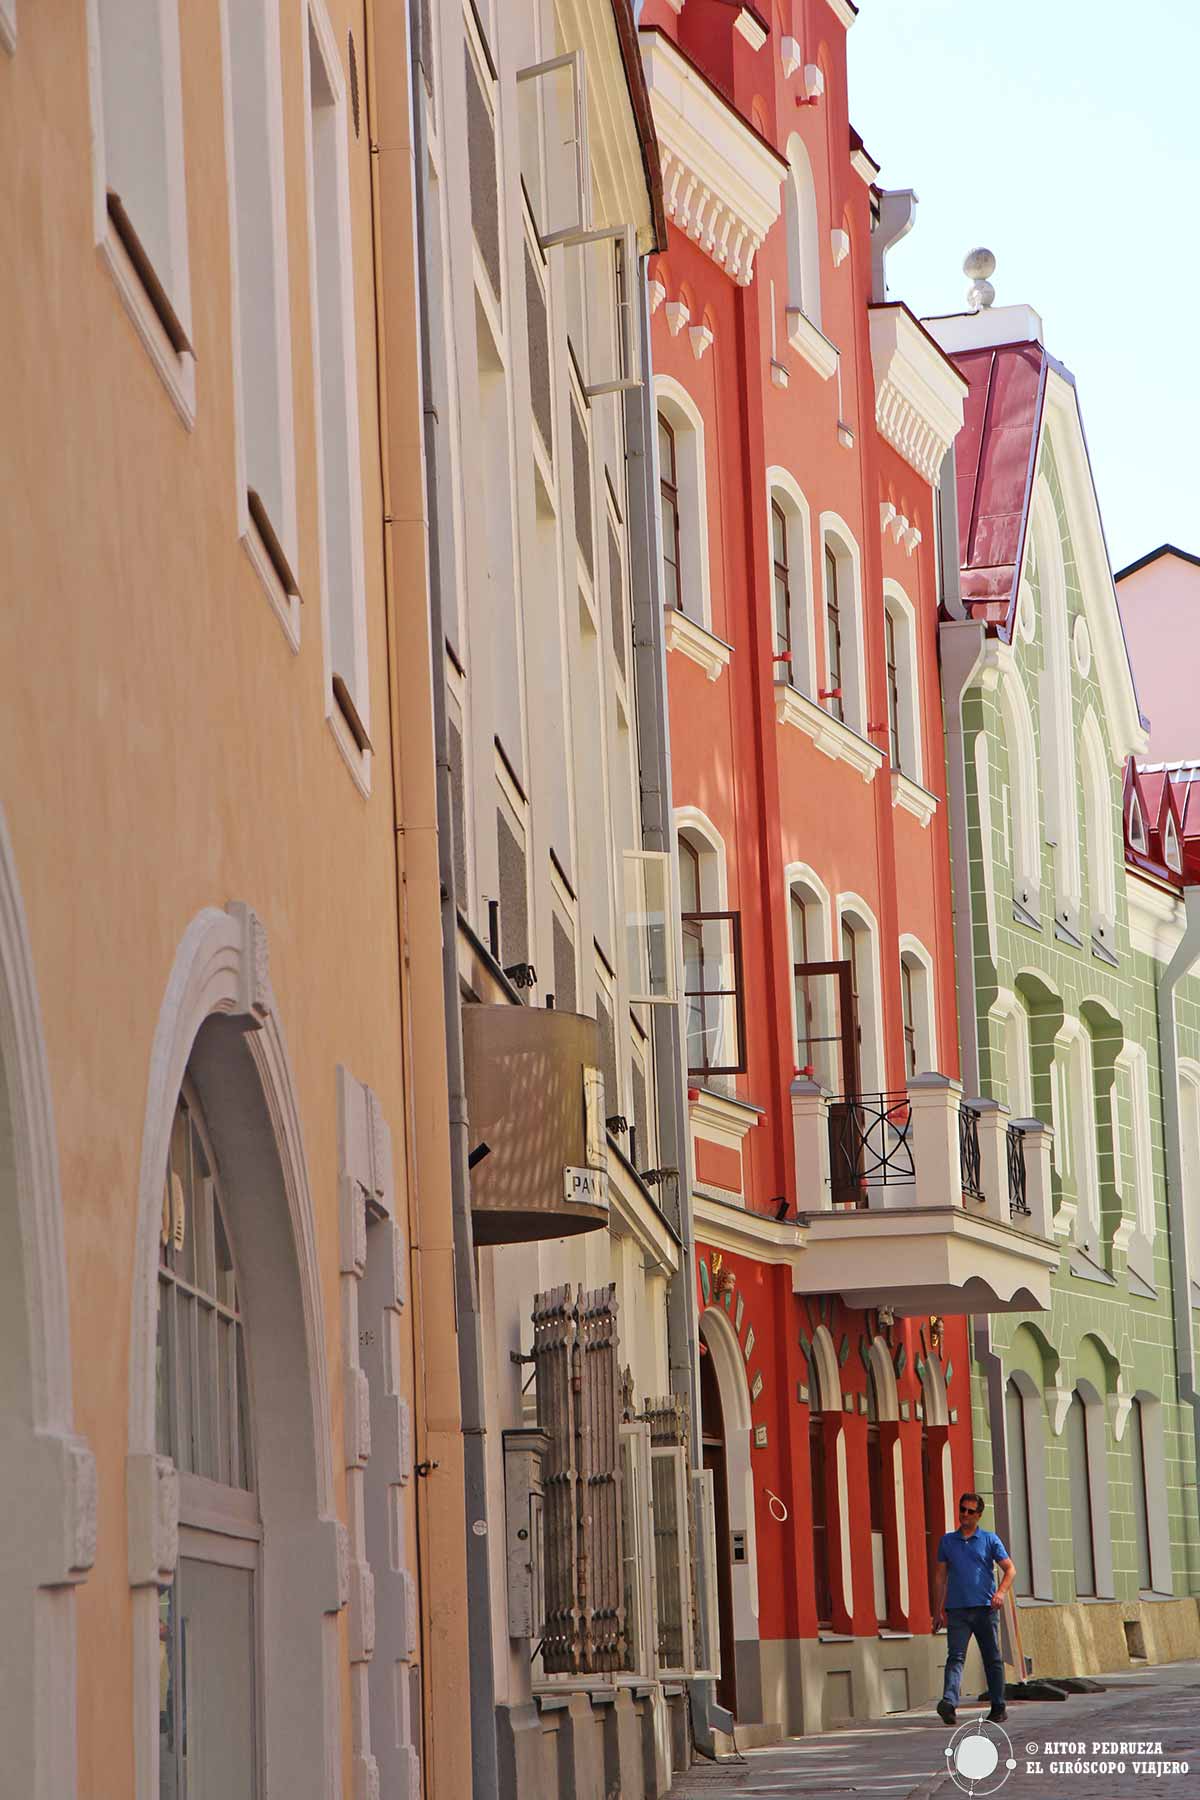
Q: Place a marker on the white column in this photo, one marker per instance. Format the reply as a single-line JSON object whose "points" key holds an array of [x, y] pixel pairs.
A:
{"points": [[993, 1161], [810, 1140], [1038, 1139], [935, 1100]]}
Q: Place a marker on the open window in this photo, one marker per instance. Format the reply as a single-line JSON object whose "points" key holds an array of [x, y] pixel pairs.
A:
{"points": [[554, 98], [648, 926], [713, 995]]}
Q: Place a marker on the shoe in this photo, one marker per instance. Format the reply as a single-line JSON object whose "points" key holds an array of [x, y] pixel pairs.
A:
{"points": [[946, 1713], [997, 1715]]}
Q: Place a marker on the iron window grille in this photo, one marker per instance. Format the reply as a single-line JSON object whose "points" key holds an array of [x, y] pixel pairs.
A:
{"points": [[1018, 1204], [968, 1152], [714, 999]]}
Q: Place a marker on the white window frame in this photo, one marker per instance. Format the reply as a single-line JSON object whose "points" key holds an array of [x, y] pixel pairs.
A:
{"points": [[899, 608], [687, 422], [1008, 1010], [1137, 824], [785, 490], [802, 882], [1098, 833], [919, 962], [1057, 686], [641, 871], [1021, 758], [803, 234], [676, 1456], [274, 564], [1077, 1089], [853, 909], [833, 532], [335, 403], [170, 350], [708, 1632], [1133, 1064], [635, 1466]]}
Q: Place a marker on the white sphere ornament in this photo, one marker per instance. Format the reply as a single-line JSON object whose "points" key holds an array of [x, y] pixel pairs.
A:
{"points": [[979, 264]]}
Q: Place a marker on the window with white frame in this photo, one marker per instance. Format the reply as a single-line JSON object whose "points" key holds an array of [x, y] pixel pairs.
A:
{"points": [[817, 992], [336, 384], [844, 691], [207, 1725], [1057, 761], [1133, 1152], [712, 963], [1171, 854], [1137, 825], [267, 503], [683, 503], [917, 1008], [1098, 834], [1020, 754], [903, 683], [858, 937], [140, 209], [1014, 1041], [1074, 1092], [791, 604], [803, 234]]}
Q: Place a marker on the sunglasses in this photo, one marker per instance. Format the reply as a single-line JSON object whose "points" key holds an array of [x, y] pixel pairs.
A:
{"points": [[972, 1510]]}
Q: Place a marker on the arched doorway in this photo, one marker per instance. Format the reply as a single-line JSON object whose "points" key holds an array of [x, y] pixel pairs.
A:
{"points": [[725, 1436], [226, 1250], [47, 1474]]}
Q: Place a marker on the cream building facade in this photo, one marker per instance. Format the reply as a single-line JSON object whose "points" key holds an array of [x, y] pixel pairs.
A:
{"points": [[538, 194], [231, 1462]]}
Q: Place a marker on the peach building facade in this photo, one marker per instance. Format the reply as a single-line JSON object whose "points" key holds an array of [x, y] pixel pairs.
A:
{"points": [[1159, 598], [231, 1463]]}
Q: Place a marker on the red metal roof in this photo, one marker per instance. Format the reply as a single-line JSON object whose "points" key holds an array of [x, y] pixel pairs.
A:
{"points": [[994, 455]]}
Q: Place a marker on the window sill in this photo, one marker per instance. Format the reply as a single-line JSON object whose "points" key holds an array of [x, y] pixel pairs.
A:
{"points": [[711, 653], [914, 798], [830, 735], [808, 341], [357, 761], [176, 368], [285, 606]]}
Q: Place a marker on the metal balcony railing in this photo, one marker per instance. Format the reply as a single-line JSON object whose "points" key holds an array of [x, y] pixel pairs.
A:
{"points": [[968, 1152], [870, 1146], [1018, 1203]]}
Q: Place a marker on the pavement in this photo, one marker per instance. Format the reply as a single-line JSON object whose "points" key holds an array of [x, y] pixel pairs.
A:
{"points": [[1150, 1716]]}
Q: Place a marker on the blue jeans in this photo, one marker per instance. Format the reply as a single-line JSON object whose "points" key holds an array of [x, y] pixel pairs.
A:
{"points": [[983, 1624]]}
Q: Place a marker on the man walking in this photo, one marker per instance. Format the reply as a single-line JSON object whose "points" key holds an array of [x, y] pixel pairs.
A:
{"points": [[967, 1600]]}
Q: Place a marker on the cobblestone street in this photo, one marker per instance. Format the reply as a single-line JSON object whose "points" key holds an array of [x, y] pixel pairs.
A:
{"points": [[904, 1757]]}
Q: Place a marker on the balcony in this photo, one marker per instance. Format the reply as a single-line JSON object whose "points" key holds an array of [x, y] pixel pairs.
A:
{"points": [[921, 1200]]}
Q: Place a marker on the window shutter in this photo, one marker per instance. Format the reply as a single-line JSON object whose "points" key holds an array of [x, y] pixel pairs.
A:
{"points": [[708, 1631], [575, 1360], [641, 1621], [674, 1562]]}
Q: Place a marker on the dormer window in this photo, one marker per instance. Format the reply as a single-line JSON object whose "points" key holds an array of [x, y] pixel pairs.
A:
{"points": [[1171, 855], [1137, 826]]}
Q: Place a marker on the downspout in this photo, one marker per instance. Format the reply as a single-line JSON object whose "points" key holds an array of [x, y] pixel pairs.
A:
{"points": [[658, 833], [962, 643], [482, 1695], [1180, 965]]}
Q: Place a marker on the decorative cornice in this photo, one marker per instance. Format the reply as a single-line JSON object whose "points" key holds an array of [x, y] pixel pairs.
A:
{"points": [[808, 341], [721, 1118], [683, 634], [724, 1225], [830, 735], [721, 181], [918, 394], [845, 11]]}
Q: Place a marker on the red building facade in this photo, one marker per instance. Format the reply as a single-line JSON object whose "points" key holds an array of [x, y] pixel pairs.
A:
{"points": [[839, 1201]]}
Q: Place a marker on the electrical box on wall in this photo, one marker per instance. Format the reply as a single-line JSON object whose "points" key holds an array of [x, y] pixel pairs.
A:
{"points": [[738, 1546], [523, 1455]]}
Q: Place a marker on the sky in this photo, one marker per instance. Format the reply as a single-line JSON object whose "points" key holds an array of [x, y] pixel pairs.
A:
{"points": [[1065, 136]]}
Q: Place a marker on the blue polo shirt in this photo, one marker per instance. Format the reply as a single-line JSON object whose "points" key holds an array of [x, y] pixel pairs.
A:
{"points": [[971, 1581]]}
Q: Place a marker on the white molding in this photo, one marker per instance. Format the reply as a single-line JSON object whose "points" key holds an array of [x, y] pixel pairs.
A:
{"points": [[1156, 916], [864, 166], [814, 81], [677, 313], [725, 1225], [918, 395], [721, 185], [810, 342], [722, 1119], [693, 641], [839, 244], [702, 337], [632, 1216], [912, 797], [53, 1512], [790, 56], [657, 292], [830, 735], [221, 968], [844, 11], [748, 27]]}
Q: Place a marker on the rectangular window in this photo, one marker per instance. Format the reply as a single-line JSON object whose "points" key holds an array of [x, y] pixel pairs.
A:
{"points": [[714, 1008], [909, 1018], [337, 393], [481, 158], [833, 636], [650, 951], [782, 593], [140, 201], [669, 492], [581, 469], [262, 309]]}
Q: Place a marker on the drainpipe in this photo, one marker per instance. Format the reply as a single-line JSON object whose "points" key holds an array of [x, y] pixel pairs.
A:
{"points": [[897, 213], [962, 643], [482, 1697], [658, 833], [1180, 965]]}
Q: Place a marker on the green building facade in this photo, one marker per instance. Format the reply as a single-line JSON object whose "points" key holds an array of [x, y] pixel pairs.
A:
{"points": [[1082, 1445]]}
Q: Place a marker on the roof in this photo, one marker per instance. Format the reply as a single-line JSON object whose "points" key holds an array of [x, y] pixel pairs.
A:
{"points": [[1164, 790], [1153, 556], [995, 454], [639, 97]]}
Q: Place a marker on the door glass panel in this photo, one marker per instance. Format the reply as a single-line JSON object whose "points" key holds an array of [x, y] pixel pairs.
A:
{"points": [[206, 1684]]}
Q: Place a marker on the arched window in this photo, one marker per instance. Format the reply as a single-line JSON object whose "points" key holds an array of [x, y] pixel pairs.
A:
{"points": [[903, 685], [1140, 1487], [803, 235], [857, 945], [1171, 854], [814, 986], [1082, 1530], [683, 502], [1058, 735], [1137, 825], [1022, 824], [1098, 834], [844, 690], [208, 1734], [792, 614], [918, 1016], [712, 960], [1073, 1102], [1020, 1502]]}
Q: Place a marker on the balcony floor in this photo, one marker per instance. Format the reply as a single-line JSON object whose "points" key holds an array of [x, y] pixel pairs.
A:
{"points": [[923, 1259]]}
